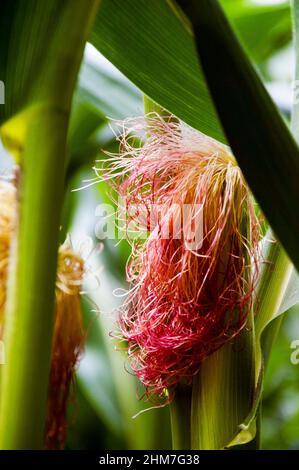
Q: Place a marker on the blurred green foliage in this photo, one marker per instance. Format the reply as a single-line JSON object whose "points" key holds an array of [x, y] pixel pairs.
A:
{"points": [[280, 409]]}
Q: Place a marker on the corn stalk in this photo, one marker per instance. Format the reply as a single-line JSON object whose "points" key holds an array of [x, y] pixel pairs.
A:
{"points": [[36, 134]]}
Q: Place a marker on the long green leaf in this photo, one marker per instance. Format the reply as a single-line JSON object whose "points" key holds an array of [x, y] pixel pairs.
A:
{"points": [[278, 289], [169, 72], [261, 141]]}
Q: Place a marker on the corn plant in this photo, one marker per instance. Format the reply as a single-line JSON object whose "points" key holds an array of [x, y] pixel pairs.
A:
{"points": [[198, 324]]}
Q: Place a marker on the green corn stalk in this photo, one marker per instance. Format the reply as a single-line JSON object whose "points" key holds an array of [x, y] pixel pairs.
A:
{"points": [[36, 133]]}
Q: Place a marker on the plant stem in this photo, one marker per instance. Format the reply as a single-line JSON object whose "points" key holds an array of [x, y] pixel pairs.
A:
{"points": [[180, 414], [30, 305], [31, 288], [222, 393]]}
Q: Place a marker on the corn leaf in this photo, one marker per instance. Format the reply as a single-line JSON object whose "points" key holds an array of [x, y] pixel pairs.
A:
{"points": [[169, 72], [261, 141]]}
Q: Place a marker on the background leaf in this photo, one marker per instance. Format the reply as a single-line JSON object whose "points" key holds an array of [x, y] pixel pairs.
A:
{"points": [[263, 29]]}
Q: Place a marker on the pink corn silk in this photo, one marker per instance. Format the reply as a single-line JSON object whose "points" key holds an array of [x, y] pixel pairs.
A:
{"points": [[184, 304]]}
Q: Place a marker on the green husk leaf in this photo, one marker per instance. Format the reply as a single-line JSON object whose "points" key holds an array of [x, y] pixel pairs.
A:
{"points": [[222, 395]]}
